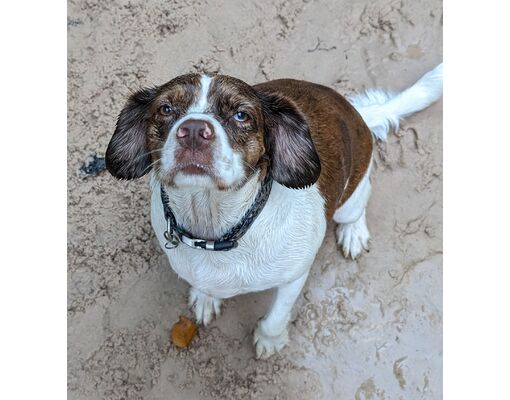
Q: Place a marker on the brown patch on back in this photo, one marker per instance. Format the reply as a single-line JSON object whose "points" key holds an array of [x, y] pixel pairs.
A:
{"points": [[365, 142], [342, 139]]}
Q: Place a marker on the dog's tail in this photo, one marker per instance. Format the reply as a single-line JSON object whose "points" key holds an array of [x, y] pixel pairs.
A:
{"points": [[383, 110]]}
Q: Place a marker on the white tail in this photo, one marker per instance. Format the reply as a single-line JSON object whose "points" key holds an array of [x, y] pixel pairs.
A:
{"points": [[383, 110]]}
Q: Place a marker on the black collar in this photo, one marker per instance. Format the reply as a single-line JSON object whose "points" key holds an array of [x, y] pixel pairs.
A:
{"points": [[175, 234]]}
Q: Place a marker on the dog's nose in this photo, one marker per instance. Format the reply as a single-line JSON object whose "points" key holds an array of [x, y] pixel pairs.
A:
{"points": [[195, 133]]}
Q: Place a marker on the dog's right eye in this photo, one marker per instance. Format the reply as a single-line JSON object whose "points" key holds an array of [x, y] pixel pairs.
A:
{"points": [[165, 110], [241, 116]]}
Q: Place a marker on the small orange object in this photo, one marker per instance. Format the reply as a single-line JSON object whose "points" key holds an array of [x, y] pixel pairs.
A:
{"points": [[183, 331]]}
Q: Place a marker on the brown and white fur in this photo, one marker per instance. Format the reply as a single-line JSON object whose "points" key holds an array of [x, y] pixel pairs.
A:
{"points": [[210, 140]]}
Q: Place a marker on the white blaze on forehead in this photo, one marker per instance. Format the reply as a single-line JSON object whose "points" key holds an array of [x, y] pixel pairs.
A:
{"points": [[201, 104]]}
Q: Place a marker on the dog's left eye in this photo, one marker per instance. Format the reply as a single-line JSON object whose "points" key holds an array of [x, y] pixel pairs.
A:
{"points": [[165, 109], [241, 116]]}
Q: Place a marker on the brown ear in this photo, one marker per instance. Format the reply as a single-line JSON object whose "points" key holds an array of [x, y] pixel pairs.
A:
{"points": [[127, 156], [294, 161]]}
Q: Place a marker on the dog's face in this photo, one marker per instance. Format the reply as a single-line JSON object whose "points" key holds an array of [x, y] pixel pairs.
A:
{"points": [[212, 132]]}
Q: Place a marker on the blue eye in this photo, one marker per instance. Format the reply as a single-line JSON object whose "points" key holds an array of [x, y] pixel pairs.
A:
{"points": [[241, 116]]}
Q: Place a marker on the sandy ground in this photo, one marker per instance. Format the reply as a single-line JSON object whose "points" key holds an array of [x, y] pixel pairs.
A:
{"points": [[370, 329]]}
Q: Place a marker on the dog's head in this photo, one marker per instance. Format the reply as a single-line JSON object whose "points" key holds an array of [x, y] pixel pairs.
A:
{"points": [[204, 131]]}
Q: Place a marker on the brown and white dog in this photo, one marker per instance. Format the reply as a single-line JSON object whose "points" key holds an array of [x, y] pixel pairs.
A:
{"points": [[276, 160]]}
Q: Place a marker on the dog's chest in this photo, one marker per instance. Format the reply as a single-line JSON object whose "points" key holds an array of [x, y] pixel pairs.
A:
{"points": [[278, 248]]}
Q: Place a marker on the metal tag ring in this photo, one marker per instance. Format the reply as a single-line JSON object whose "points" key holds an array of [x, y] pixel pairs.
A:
{"points": [[172, 240]]}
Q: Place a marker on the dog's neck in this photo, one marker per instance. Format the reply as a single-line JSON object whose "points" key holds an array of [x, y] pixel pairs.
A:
{"points": [[209, 213]]}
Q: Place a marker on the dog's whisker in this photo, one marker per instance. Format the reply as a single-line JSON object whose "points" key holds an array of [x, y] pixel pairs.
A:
{"points": [[140, 156], [152, 164]]}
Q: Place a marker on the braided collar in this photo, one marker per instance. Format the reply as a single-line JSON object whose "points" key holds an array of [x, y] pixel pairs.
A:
{"points": [[176, 234]]}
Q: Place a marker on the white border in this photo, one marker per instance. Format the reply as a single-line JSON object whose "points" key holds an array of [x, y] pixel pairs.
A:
{"points": [[33, 200], [476, 201]]}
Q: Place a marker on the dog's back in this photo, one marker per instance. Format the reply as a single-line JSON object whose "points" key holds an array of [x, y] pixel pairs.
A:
{"points": [[338, 133]]}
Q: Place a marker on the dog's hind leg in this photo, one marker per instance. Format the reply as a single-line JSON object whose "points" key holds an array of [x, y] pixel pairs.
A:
{"points": [[352, 231], [271, 333], [381, 111]]}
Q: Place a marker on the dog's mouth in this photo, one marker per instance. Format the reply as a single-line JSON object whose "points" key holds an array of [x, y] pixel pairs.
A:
{"points": [[195, 168]]}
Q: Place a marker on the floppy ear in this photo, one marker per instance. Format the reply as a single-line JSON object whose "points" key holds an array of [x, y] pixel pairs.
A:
{"points": [[294, 161], [127, 155]]}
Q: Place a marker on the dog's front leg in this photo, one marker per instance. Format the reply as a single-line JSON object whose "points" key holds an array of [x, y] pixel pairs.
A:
{"points": [[204, 306], [271, 333]]}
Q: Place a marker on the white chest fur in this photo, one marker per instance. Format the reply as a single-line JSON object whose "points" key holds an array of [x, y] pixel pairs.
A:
{"points": [[278, 248]]}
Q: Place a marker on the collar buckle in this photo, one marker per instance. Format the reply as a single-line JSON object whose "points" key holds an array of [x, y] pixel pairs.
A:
{"points": [[172, 239]]}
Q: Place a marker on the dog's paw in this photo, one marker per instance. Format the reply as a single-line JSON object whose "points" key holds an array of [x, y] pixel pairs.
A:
{"points": [[204, 306], [353, 238], [266, 345]]}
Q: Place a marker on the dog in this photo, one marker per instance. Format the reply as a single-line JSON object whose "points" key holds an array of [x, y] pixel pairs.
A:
{"points": [[245, 179]]}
